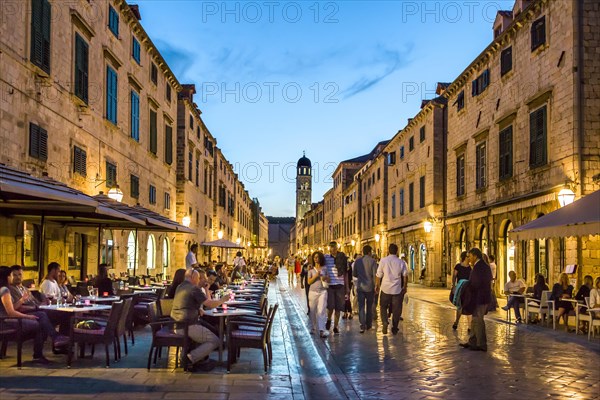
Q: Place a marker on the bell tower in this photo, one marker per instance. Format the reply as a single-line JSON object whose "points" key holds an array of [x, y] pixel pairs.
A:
{"points": [[303, 187]]}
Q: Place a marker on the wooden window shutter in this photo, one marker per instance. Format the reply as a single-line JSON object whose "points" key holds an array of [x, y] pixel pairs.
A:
{"points": [[153, 133], [168, 144]]}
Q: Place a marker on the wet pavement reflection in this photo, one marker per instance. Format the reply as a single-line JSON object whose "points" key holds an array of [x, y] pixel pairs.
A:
{"points": [[424, 360]]}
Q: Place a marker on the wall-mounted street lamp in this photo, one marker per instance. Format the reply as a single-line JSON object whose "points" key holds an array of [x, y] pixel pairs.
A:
{"points": [[353, 242], [565, 196], [115, 193], [238, 241], [377, 237], [427, 226], [186, 221], [220, 234]]}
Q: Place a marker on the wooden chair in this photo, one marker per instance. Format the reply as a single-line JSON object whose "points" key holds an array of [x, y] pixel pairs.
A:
{"points": [[164, 336], [13, 333], [103, 335], [255, 335]]}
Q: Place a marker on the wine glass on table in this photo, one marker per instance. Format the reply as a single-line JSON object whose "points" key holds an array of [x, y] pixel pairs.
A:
{"points": [[50, 298], [90, 290]]}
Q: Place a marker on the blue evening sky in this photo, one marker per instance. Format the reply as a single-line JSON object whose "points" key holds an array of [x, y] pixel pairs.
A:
{"points": [[274, 78]]}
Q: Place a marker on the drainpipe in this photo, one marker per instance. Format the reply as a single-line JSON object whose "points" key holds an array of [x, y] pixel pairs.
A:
{"points": [[579, 106], [445, 250]]}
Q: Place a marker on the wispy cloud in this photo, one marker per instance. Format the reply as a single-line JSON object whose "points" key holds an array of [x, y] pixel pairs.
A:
{"points": [[180, 60], [383, 63]]}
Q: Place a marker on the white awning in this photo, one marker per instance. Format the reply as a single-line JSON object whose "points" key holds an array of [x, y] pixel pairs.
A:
{"points": [[581, 218]]}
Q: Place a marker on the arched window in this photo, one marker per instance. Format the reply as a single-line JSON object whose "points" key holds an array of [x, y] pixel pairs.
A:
{"points": [[483, 243], [166, 255], [151, 252], [131, 251]]}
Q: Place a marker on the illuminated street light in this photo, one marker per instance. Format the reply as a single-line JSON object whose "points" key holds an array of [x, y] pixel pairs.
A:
{"points": [[115, 193], [565, 196], [427, 225], [220, 234], [186, 221]]}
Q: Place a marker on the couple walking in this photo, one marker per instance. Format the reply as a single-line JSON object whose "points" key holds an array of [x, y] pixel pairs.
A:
{"points": [[388, 281]]}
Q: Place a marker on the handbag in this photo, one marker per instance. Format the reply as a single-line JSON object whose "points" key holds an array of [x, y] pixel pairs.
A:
{"points": [[451, 295]]}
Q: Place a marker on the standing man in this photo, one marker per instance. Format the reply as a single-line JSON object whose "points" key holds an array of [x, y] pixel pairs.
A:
{"points": [[187, 304], [391, 279], [365, 270], [190, 259], [480, 286], [291, 269], [336, 264]]}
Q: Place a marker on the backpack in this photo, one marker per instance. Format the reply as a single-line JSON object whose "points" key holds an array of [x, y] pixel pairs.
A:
{"points": [[341, 263]]}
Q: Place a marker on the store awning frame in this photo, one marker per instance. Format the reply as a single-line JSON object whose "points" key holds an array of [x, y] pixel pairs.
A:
{"points": [[580, 218]]}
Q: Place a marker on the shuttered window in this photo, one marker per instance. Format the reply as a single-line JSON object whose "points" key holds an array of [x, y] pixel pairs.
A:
{"points": [[506, 61], [134, 186], [480, 166], [479, 85], [168, 92], [538, 33], [401, 201], [190, 166], [135, 116], [38, 142], [411, 197], [422, 192], [154, 73], [505, 153], [537, 138], [153, 133], [422, 134], [168, 144], [111, 95], [113, 21], [135, 50], [41, 12], [81, 68], [460, 175], [152, 194], [79, 161], [460, 101], [111, 175]]}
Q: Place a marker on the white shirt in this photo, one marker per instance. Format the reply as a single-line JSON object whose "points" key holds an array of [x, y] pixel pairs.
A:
{"points": [[190, 260], [316, 286], [50, 288], [514, 287], [391, 269], [239, 262], [594, 298], [493, 268]]}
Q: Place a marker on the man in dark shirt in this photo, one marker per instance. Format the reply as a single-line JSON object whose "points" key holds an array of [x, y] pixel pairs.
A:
{"points": [[187, 304], [480, 284]]}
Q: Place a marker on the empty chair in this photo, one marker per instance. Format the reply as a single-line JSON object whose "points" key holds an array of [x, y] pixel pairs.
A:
{"points": [[248, 334], [122, 327], [102, 335], [544, 307]]}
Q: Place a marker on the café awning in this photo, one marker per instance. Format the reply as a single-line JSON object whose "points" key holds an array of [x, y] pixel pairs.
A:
{"points": [[153, 221], [222, 243], [580, 218], [25, 196]]}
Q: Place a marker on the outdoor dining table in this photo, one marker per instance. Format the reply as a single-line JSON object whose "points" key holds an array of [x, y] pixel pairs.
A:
{"points": [[239, 302], [222, 314], [144, 288], [106, 299], [77, 309]]}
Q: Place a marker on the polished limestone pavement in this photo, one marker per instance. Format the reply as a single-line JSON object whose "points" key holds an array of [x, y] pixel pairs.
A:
{"points": [[423, 361]]}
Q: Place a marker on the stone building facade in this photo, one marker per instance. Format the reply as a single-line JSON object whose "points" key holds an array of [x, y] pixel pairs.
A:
{"points": [[89, 102], [491, 153]]}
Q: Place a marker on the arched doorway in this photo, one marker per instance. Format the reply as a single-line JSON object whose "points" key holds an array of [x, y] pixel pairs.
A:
{"points": [[482, 240], [132, 258], [411, 261], [150, 254], [166, 256], [107, 248], [461, 244], [507, 254], [423, 260]]}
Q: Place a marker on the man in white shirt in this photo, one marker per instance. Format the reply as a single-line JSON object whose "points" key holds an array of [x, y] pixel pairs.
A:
{"points": [[391, 278], [291, 266], [512, 287], [190, 258], [49, 286]]}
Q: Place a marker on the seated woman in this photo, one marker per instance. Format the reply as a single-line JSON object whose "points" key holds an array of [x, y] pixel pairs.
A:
{"points": [[539, 287], [63, 285], [33, 321], [595, 297], [103, 282], [560, 291], [582, 293], [177, 279]]}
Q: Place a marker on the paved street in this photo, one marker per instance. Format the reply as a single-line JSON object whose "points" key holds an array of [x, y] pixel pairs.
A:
{"points": [[422, 361]]}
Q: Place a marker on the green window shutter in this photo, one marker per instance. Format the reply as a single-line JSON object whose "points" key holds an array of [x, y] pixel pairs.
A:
{"points": [[81, 68], [153, 134], [40, 34], [168, 144]]}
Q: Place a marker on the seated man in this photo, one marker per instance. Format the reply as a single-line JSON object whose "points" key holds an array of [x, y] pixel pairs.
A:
{"points": [[514, 286], [187, 306]]}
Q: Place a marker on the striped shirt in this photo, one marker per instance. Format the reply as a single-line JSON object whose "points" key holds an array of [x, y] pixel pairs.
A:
{"points": [[332, 271]]}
